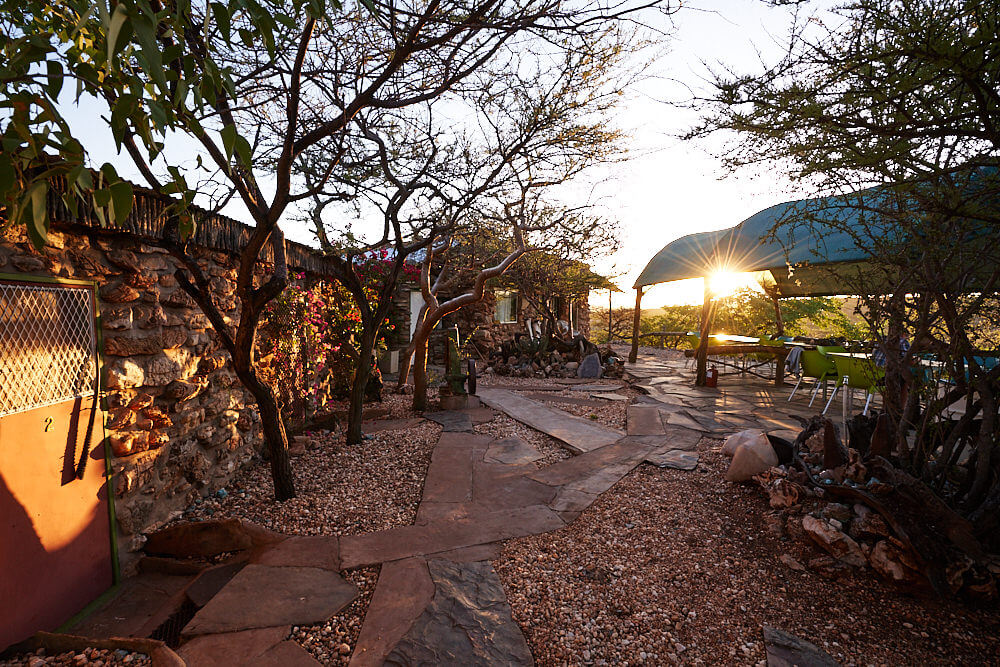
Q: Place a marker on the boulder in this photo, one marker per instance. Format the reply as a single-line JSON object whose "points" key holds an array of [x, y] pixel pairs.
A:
{"points": [[734, 441], [894, 563], [751, 459], [590, 367], [208, 538], [833, 541]]}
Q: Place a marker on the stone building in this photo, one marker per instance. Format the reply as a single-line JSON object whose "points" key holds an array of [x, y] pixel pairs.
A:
{"points": [[178, 424]]}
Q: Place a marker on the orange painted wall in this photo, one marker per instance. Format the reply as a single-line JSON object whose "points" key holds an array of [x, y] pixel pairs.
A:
{"points": [[55, 547]]}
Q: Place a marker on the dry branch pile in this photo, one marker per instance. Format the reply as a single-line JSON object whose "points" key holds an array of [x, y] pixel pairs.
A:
{"points": [[862, 511], [551, 357]]}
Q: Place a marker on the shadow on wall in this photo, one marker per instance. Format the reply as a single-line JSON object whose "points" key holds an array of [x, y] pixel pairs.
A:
{"points": [[55, 548]]}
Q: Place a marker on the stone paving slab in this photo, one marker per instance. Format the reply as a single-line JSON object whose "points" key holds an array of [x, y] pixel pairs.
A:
{"points": [[579, 467], [449, 476], [511, 450], [784, 649], [606, 396], [568, 400], [581, 435], [501, 486], [674, 458], [322, 551], [451, 420], [232, 648], [438, 536], [211, 581], [595, 387], [142, 603], [403, 591], [644, 420], [286, 654], [468, 622], [293, 595]]}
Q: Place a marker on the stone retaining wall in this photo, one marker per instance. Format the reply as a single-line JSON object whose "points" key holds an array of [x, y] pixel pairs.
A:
{"points": [[179, 422]]}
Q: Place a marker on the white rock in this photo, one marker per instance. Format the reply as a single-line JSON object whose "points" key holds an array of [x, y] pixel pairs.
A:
{"points": [[736, 440], [751, 459]]}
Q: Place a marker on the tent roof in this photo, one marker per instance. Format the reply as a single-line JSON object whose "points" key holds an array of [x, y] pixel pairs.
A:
{"points": [[800, 234]]}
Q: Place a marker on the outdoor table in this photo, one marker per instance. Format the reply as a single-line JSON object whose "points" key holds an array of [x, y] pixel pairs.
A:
{"points": [[779, 354]]}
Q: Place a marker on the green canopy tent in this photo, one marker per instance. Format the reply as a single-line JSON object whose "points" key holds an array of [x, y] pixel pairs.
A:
{"points": [[803, 248]]}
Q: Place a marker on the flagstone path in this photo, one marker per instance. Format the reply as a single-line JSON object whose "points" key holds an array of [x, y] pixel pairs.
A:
{"points": [[437, 599]]}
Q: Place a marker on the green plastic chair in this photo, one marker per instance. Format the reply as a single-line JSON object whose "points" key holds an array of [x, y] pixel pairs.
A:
{"points": [[817, 366], [856, 373]]}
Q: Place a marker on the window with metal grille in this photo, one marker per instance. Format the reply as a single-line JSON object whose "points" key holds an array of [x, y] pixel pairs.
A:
{"points": [[47, 345]]}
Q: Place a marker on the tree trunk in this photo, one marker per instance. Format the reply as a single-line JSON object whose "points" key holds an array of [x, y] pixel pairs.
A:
{"points": [[706, 326], [274, 434], [420, 376], [366, 351], [636, 315]]}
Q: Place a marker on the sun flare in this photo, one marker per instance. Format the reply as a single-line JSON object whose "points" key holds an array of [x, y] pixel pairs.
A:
{"points": [[727, 283]]}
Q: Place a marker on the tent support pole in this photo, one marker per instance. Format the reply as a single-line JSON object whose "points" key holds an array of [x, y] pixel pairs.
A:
{"points": [[706, 325], [779, 323], [636, 314]]}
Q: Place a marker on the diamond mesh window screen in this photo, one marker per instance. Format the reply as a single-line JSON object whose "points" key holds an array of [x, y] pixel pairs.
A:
{"points": [[47, 345]]}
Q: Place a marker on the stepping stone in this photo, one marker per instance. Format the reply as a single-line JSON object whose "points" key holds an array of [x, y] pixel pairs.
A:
{"points": [[626, 452], [211, 582], [262, 596], [674, 458], [581, 435], [513, 450], [498, 486], [569, 400], [141, 604], [322, 551], [644, 420], [785, 650], [403, 591], [232, 648], [286, 654], [468, 622], [451, 420], [438, 536], [449, 476], [610, 397], [594, 387]]}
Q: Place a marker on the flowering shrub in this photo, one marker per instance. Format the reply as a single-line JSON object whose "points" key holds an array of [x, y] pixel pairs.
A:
{"points": [[308, 335]]}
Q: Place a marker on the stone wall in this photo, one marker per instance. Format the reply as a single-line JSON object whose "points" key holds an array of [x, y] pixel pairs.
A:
{"points": [[179, 423]]}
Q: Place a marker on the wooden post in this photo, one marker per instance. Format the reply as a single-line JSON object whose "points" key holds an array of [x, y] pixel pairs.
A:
{"points": [[609, 317], [634, 354], [706, 325]]}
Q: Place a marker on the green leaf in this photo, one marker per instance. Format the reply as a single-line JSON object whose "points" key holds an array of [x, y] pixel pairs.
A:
{"points": [[55, 75], [222, 20], [124, 108], [243, 151], [38, 227], [102, 197], [114, 28], [121, 201], [229, 140]]}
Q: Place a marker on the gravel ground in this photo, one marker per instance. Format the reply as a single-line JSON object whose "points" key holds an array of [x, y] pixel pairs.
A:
{"points": [[332, 642], [678, 567], [503, 426], [93, 657], [341, 490]]}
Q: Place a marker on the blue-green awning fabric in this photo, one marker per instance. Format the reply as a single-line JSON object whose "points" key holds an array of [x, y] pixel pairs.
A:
{"points": [[821, 246], [791, 240]]}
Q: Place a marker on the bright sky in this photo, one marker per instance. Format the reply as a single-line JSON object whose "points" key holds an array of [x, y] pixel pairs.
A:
{"points": [[676, 188], [668, 188]]}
